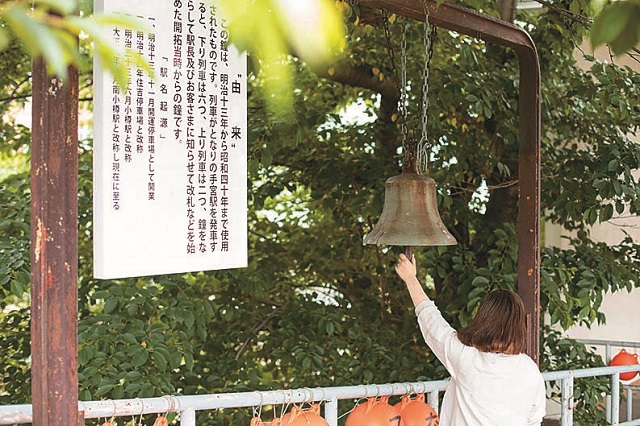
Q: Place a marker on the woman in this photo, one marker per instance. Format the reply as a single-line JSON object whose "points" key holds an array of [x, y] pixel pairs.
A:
{"points": [[493, 382]]}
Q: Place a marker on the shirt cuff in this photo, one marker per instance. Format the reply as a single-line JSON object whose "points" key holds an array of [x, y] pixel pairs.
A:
{"points": [[423, 305]]}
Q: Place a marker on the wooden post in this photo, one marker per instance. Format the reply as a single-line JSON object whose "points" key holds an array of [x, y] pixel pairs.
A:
{"points": [[54, 248]]}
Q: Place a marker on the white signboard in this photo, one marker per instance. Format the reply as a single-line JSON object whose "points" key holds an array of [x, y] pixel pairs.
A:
{"points": [[170, 191]]}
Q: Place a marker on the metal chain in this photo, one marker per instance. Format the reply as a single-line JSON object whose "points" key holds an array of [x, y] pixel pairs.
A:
{"points": [[387, 36], [424, 147], [403, 88]]}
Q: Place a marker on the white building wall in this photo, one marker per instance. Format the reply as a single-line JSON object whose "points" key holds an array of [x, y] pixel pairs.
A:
{"points": [[622, 309]]}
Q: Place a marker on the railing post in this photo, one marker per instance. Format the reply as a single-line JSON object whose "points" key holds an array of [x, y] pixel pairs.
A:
{"points": [[567, 402], [433, 400], [188, 417], [331, 412], [615, 398], [629, 404]]}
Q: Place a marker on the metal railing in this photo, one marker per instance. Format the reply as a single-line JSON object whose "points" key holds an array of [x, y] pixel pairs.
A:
{"points": [[609, 345], [566, 379], [187, 406]]}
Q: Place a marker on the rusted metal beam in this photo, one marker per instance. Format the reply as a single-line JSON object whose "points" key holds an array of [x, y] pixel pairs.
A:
{"points": [[54, 248], [489, 29]]}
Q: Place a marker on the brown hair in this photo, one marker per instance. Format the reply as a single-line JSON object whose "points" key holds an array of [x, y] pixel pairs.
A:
{"points": [[499, 325]]}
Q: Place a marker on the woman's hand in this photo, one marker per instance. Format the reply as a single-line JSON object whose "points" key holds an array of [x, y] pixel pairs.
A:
{"points": [[406, 269]]}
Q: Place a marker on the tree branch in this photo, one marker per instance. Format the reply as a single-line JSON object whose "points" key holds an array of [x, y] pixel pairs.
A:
{"points": [[256, 330], [583, 20], [359, 76]]}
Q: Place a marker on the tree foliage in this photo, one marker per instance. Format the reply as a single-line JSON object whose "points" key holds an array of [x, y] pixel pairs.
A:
{"points": [[315, 307]]}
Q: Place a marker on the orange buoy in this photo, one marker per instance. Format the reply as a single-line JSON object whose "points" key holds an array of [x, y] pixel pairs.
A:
{"points": [[374, 412], [625, 358], [416, 412], [299, 417], [161, 421], [257, 421]]}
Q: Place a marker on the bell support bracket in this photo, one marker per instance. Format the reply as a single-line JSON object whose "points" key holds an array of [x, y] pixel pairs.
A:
{"points": [[489, 29]]}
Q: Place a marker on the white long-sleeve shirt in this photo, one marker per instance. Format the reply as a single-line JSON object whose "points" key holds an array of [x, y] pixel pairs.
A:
{"points": [[486, 389]]}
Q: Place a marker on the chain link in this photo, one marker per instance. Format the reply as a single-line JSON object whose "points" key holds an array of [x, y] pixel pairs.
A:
{"points": [[400, 85], [403, 88], [387, 35], [424, 147]]}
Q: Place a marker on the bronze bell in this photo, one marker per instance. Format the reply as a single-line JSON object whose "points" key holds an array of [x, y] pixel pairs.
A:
{"points": [[410, 213]]}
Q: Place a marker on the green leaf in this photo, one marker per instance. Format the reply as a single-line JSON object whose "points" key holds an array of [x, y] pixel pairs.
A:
{"points": [[58, 48], [132, 388], [147, 390], [306, 362], [479, 281], [104, 389], [606, 213], [330, 328], [4, 39], [160, 360], [617, 187], [16, 288], [104, 48], [175, 359], [114, 20], [63, 7], [630, 34], [118, 392], [188, 360], [611, 22], [140, 357], [110, 305], [368, 375], [129, 338], [85, 355], [267, 158], [132, 376]]}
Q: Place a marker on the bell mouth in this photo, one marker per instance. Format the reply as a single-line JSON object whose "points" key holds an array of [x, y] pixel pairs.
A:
{"points": [[410, 214]]}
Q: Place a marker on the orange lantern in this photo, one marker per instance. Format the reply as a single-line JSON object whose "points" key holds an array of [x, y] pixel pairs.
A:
{"points": [[299, 417], [625, 358], [374, 412], [416, 412]]}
